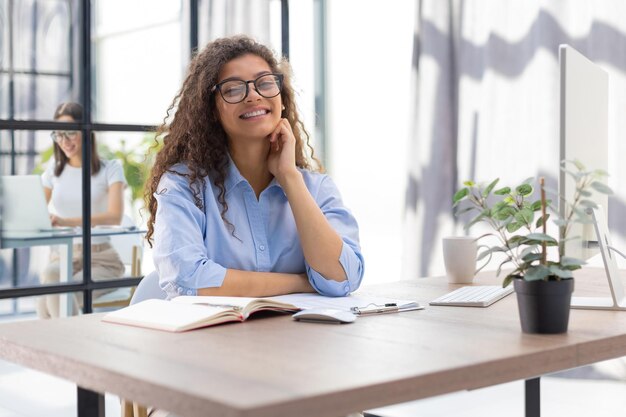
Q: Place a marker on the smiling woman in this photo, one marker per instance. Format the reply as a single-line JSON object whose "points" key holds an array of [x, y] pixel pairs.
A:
{"points": [[61, 180], [237, 205]]}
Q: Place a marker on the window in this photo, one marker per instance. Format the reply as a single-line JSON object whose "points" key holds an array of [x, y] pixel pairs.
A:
{"points": [[138, 52]]}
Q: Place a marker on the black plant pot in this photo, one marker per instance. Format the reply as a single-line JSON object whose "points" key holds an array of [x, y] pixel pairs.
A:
{"points": [[544, 305]]}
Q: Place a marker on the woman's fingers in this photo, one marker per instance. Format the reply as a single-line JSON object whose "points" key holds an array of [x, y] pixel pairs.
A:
{"points": [[281, 134]]}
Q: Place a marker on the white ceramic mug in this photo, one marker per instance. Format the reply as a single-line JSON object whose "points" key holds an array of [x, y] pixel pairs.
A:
{"points": [[459, 256]]}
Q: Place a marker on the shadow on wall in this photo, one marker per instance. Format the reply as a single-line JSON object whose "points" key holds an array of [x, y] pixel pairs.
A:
{"points": [[456, 57]]}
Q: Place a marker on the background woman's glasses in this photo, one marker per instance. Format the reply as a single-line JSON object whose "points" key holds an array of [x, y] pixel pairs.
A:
{"points": [[59, 135], [236, 91]]}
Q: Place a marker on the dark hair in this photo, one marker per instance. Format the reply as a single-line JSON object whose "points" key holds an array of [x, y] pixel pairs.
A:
{"points": [[195, 136], [75, 111]]}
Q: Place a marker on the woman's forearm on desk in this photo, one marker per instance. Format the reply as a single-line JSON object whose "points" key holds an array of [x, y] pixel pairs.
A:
{"points": [[113, 215], [239, 283], [96, 219], [320, 242]]}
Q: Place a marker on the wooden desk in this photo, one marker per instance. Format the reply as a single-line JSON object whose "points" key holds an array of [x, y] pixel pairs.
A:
{"points": [[273, 366]]}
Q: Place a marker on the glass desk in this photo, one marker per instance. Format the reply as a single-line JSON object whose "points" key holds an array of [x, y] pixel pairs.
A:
{"points": [[65, 240]]}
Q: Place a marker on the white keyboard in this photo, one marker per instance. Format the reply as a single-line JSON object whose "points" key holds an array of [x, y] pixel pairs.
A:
{"points": [[477, 296]]}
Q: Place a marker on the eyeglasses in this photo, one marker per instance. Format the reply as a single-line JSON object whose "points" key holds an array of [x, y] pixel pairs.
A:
{"points": [[58, 135], [236, 91]]}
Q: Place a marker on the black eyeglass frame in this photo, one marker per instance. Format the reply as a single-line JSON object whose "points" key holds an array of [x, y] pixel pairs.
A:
{"points": [[279, 76], [67, 134]]}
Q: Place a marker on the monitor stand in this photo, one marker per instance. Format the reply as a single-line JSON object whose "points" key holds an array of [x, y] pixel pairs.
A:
{"points": [[617, 300]]}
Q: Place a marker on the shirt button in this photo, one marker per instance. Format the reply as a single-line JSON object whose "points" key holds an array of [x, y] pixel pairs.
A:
{"points": [[262, 247], [189, 292], [346, 287], [180, 290]]}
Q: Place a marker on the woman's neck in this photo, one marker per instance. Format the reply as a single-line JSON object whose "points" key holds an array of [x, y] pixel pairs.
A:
{"points": [[75, 162], [251, 161]]}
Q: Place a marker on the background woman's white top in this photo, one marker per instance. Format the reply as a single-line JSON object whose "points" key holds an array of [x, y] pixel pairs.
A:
{"points": [[67, 198]]}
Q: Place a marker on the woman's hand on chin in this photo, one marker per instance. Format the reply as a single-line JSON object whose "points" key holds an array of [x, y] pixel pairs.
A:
{"points": [[281, 159]]}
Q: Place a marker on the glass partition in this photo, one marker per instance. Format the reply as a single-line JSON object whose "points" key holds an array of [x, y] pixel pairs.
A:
{"points": [[39, 57], [138, 59]]}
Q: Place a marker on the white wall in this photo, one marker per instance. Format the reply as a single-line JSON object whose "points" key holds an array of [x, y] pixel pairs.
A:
{"points": [[369, 59]]}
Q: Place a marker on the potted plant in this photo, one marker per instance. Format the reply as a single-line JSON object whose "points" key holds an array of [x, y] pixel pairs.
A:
{"points": [[543, 285]]}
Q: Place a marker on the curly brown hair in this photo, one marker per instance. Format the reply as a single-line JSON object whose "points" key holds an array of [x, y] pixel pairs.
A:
{"points": [[195, 135]]}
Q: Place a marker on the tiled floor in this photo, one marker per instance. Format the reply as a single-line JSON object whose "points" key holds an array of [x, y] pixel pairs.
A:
{"points": [[27, 393]]}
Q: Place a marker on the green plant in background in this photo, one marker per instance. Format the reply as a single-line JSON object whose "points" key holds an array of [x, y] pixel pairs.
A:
{"points": [[519, 224], [137, 160]]}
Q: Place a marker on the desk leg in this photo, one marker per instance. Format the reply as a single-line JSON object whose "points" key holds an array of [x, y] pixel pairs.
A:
{"points": [[90, 403], [533, 403], [65, 275]]}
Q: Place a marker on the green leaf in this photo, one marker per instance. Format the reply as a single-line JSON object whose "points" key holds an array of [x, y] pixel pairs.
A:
{"points": [[541, 237], [601, 187], [469, 184], [569, 261], [578, 164], [560, 222], [460, 195], [503, 191], [588, 204], [475, 220], [561, 273], [600, 173], [537, 272], [525, 216], [577, 176], [513, 226], [504, 213], [536, 205], [489, 188], [517, 240], [585, 193], [507, 280], [524, 190], [465, 210], [489, 251], [580, 212], [531, 257], [541, 220], [509, 200], [529, 249]]}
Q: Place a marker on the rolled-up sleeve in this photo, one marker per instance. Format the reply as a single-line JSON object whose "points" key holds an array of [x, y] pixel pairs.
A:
{"points": [[180, 254], [351, 259]]}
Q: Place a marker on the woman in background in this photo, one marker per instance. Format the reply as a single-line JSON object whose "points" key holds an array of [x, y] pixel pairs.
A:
{"points": [[236, 206], [62, 183]]}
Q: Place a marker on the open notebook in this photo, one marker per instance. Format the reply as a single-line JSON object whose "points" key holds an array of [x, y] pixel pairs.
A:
{"points": [[192, 312], [186, 313]]}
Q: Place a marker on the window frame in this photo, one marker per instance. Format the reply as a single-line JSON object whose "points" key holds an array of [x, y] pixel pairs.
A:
{"points": [[87, 126]]}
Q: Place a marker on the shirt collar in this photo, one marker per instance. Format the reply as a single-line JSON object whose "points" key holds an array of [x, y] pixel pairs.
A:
{"points": [[234, 177]]}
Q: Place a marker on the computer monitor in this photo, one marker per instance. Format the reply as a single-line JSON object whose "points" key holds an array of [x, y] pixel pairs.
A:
{"points": [[25, 208], [584, 136], [584, 102]]}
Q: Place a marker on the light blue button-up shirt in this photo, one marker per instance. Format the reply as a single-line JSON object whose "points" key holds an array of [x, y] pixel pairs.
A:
{"points": [[193, 247]]}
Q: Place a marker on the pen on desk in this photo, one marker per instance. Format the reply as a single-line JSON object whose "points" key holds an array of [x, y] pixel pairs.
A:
{"points": [[386, 308]]}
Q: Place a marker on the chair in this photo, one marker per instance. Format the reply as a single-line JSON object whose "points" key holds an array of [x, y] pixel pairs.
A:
{"points": [[147, 289], [130, 249]]}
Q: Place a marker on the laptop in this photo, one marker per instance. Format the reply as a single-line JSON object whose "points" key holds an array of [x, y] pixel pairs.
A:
{"points": [[24, 207]]}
